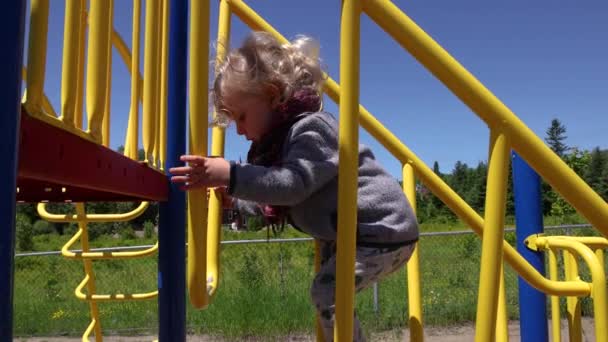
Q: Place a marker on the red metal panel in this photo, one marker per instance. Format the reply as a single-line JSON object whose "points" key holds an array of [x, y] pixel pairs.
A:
{"points": [[50, 157]]}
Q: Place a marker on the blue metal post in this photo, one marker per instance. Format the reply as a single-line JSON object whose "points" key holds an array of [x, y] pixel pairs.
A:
{"points": [[12, 26], [529, 220], [172, 231]]}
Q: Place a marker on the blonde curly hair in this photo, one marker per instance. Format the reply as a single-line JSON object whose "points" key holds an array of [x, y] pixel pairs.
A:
{"points": [[264, 67]]}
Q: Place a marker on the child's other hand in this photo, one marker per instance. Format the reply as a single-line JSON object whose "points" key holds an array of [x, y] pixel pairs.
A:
{"points": [[201, 172]]}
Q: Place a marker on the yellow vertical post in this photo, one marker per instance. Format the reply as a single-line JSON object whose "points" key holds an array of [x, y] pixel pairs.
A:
{"points": [[36, 56], [502, 318], [97, 69], [80, 80], [158, 34], [348, 169], [197, 199], [413, 265], [107, 110], [573, 305], [150, 80], [133, 126], [318, 326], [600, 256], [88, 269], [217, 149], [69, 67], [555, 316], [492, 246], [164, 59]]}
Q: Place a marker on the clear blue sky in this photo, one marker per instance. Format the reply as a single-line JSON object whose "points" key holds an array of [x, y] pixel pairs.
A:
{"points": [[544, 59]]}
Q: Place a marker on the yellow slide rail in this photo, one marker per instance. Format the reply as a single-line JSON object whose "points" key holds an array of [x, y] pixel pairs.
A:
{"points": [[152, 94]]}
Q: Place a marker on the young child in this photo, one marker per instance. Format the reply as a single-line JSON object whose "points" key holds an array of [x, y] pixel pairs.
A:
{"points": [[272, 93]]}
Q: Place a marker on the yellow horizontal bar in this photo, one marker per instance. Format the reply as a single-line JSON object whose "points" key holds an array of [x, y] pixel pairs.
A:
{"points": [[437, 186], [66, 252], [490, 109], [112, 297], [122, 217]]}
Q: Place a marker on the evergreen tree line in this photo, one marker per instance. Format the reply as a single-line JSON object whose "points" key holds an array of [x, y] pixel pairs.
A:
{"points": [[470, 181]]}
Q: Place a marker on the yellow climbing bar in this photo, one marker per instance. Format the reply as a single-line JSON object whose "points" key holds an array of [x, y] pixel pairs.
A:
{"points": [[111, 297]]}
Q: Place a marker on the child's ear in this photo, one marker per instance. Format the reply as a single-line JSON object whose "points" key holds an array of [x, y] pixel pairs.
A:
{"points": [[274, 94]]}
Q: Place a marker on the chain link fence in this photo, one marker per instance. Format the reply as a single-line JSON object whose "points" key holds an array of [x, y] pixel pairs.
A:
{"points": [[264, 290]]}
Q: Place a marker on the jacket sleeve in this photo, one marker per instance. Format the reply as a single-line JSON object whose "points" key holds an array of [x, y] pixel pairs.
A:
{"points": [[311, 161], [247, 207]]}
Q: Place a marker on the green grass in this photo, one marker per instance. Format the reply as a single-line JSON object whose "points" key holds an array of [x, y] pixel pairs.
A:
{"points": [[263, 289]]}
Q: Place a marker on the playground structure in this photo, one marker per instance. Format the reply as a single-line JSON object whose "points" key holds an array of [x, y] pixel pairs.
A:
{"points": [[50, 158]]}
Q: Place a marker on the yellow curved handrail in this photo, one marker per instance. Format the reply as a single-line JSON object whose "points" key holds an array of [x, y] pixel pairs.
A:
{"points": [[111, 297], [598, 290]]}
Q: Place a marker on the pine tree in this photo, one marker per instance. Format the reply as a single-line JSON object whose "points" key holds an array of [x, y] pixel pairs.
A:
{"points": [[556, 134]]}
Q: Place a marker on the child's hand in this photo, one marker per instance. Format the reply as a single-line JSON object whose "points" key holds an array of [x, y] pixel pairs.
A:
{"points": [[201, 172]]}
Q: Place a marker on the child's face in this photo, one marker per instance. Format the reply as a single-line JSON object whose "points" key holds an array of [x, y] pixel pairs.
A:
{"points": [[252, 115]]}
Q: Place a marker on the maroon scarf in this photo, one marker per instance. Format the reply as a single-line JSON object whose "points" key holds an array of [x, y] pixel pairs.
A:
{"points": [[268, 151]]}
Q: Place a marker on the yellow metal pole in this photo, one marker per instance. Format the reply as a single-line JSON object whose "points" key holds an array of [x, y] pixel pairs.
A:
{"points": [[157, 70], [36, 57], [164, 85], [71, 51], [492, 244], [80, 80], [502, 318], [573, 304], [88, 269], [413, 265], [437, 186], [132, 140], [197, 200], [217, 149], [318, 326], [97, 66], [150, 77], [555, 316], [348, 169], [489, 108], [107, 110]]}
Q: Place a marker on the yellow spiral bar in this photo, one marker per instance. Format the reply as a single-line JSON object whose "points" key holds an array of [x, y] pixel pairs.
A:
{"points": [[123, 217], [88, 269]]}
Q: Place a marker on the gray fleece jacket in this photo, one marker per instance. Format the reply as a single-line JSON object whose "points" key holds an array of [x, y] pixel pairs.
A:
{"points": [[307, 183]]}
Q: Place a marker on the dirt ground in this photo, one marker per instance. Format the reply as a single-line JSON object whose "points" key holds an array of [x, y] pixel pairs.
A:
{"points": [[432, 334]]}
